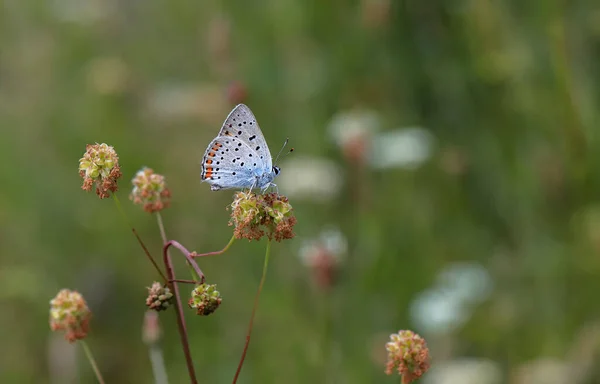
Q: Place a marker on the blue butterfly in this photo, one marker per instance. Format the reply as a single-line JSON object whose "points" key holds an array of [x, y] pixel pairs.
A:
{"points": [[239, 156]]}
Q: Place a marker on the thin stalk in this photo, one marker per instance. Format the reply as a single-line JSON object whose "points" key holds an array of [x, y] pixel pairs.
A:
{"points": [[180, 317], [163, 235], [90, 357], [120, 208], [195, 282], [194, 255], [249, 333], [161, 227], [188, 257]]}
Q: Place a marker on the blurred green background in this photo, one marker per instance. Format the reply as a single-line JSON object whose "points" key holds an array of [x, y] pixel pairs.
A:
{"points": [[446, 165]]}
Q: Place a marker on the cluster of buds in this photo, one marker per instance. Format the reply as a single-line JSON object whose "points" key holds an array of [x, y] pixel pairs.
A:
{"points": [[70, 313], [205, 299], [254, 216], [159, 297], [150, 190], [408, 354], [100, 166]]}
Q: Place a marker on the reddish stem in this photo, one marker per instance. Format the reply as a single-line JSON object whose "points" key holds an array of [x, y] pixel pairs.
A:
{"points": [[148, 254], [194, 254], [189, 258], [185, 281], [180, 316]]}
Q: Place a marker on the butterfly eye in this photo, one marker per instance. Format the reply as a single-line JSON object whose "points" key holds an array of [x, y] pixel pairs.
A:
{"points": [[276, 170]]}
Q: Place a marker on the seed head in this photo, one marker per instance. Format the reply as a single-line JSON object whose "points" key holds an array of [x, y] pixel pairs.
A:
{"points": [[159, 297], [408, 353], [254, 216], [100, 166], [150, 190], [70, 313], [205, 299]]}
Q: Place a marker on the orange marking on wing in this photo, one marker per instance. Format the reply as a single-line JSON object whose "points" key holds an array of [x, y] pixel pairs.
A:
{"points": [[212, 154], [209, 161], [208, 173]]}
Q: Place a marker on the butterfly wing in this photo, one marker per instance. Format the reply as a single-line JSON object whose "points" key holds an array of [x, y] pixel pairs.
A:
{"points": [[228, 163], [238, 157], [241, 124]]}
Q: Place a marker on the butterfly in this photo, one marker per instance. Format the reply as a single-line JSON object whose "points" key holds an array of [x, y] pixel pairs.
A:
{"points": [[239, 156]]}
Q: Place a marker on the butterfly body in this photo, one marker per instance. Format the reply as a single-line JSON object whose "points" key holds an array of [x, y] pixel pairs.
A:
{"points": [[239, 156]]}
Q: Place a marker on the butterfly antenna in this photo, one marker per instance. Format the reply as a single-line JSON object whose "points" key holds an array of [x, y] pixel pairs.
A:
{"points": [[279, 153]]}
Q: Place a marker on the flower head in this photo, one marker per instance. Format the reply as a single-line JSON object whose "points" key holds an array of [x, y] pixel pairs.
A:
{"points": [[150, 190], [255, 216], [408, 353], [70, 313], [100, 166], [205, 299], [159, 297]]}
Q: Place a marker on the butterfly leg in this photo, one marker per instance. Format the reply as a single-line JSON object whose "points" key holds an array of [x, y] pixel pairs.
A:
{"points": [[274, 186], [253, 185]]}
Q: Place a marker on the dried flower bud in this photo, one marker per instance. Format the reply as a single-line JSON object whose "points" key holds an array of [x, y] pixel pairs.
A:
{"points": [[254, 215], [150, 190], [100, 166], [408, 353], [70, 313], [205, 299], [159, 297]]}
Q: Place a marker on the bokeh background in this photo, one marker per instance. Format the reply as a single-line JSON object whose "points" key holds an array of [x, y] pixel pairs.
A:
{"points": [[446, 170]]}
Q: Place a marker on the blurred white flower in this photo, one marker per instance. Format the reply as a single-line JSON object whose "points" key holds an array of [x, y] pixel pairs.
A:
{"points": [[347, 126], [436, 311], [543, 371], [464, 371], [402, 148], [449, 303], [310, 178], [469, 281]]}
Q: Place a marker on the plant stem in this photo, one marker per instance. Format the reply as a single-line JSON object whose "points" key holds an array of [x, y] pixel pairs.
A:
{"points": [[260, 286], [120, 208], [216, 252], [180, 317], [163, 235], [195, 282], [188, 257], [161, 227], [90, 357]]}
